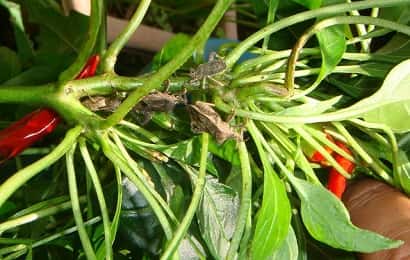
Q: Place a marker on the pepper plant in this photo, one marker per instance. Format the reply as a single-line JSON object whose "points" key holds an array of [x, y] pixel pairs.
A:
{"points": [[237, 167]]}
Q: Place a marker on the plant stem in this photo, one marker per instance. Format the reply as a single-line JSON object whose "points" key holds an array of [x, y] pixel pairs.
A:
{"points": [[101, 44], [110, 56], [48, 239], [246, 199], [72, 187], [289, 79], [316, 145], [24, 175], [100, 196], [88, 46], [196, 197], [34, 95], [112, 153], [273, 5], [117, 214], [393, 143], [166, 71], [236, 53], [34, 216], [64, 232], [362, 153]]}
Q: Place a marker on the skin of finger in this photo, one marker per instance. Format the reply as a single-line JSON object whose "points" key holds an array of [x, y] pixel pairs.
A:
{"points": [[378, 207]]}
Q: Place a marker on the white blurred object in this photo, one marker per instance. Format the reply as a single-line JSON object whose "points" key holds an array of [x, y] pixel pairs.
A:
{"points": [[146, 37]]}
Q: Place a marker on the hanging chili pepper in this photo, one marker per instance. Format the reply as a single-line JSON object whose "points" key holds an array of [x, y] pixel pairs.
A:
{"points": [[34, 126], [90, 67], [337, 182], [26, 131]]}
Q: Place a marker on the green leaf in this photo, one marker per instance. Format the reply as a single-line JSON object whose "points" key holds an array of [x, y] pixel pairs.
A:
{"points": [[260, 8], [314, 107], [327, 220], [226, 151], [390, 105], [274, 216], [376, 69], [24, 45], [217, 215], [170, 50], [398, 47], [288, 249], [35, 75], [332, 44], [139, 228], [58, 34], [188, 152], [404, 171], [9, 64], [310, 4], [7, 208]]}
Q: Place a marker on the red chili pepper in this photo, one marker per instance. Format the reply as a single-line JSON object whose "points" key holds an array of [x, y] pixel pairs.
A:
{"points": [[90, 67], [317, 157], [34, 126], [26, 131], [337, 182]]}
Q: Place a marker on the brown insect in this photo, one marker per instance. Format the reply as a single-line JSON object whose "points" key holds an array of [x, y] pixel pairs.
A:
{"points": [[214, 66], [205, 119], [102, 103], [157, 102]]}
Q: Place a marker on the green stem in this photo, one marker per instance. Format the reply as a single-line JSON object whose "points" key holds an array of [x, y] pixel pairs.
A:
{"points": [[40, 205], [312, 142], [64, 232], [110, 150], [339, 115], [319, 135], [361, 30], [246, 200], [100, 196], [34, 95], [75, 202], [50, 238], [291, 149], [36, 215], [271, 16], [393, 143], [88, 46], [166, 71], [24, 175], [101, 44], [193, 206], [362, 153], [302, 17], [117, 214], [289, 79], [104, 84], [110, 56]]}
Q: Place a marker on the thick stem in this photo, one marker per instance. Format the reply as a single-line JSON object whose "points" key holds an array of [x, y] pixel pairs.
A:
{"points": [[34, 95]]}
